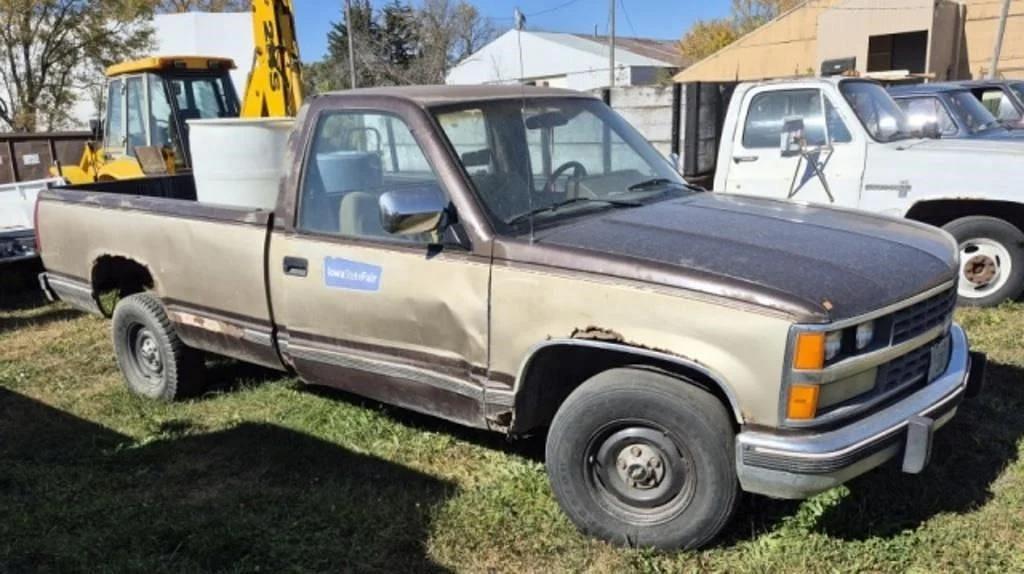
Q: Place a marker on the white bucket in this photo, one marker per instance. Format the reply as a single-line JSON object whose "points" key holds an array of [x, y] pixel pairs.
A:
{"points": [[239, 161]]}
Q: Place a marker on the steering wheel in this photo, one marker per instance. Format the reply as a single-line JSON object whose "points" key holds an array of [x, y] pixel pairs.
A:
{"points": [[578, 171]]}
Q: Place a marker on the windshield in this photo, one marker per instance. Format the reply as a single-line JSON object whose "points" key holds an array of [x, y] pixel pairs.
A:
{"points": [[877, 111], [975, 116], [554, 157], [1018, 89], [204, 97]]}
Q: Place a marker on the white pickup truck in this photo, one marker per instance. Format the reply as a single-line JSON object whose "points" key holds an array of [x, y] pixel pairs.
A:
{"points": [[17, 203], [845, 142]]}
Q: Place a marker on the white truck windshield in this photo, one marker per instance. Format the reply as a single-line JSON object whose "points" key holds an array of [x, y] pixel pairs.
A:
{"points": [[877, 111]]}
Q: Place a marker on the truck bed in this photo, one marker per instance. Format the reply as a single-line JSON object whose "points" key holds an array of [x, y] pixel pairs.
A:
{"points": [[94, 234]]}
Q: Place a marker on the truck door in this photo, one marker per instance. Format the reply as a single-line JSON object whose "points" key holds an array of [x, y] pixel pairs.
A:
{"points": [[396, 318], [758, 167]]}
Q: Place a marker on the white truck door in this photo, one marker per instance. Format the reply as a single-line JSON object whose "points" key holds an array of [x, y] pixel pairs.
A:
{"points": [[757, 166]]}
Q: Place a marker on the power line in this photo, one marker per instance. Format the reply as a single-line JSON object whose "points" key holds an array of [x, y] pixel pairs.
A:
{"points": [[622, 4], [553, 8]]}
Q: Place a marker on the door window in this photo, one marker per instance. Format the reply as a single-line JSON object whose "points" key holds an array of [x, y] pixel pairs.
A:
{"points": [[999, 104], [922, 111], [768, 112], [162, 126], [137, 117], [356, 157], [114, 137], [204, 97]]}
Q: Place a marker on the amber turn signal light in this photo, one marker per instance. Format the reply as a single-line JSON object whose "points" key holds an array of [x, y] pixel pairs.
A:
{"points": [[809, 354], [803, 402]]}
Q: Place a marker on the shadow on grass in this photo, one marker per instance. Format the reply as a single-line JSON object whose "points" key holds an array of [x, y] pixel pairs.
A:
{"points": [[968, 455], [52, 315], [531, 447], [19, 287], [76, 496], [224, 375]]}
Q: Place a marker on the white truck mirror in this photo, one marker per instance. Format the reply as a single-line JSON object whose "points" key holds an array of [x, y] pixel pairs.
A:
{"points": [[792, 141]]}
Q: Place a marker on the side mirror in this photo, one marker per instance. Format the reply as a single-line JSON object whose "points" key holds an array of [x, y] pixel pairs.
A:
{"points": [[930, 130], [412, 211], [792, 141], [677, 162]]}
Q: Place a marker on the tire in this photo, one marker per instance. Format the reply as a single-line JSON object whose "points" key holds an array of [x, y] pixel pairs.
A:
{"points": [[155, 363], [991, 260], [648, 421]]}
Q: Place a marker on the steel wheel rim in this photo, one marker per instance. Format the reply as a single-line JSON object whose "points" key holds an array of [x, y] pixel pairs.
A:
{"points": [[147, 356], [637, 471], [985, 268]]}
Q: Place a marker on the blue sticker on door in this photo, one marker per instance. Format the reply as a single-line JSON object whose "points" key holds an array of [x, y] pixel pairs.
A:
{"points": [[351, 275]]}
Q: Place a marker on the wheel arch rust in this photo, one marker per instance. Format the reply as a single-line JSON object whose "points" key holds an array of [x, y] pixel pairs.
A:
{"points": [[554, 368]]}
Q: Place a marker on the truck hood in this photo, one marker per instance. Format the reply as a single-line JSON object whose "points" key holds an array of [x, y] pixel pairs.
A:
{"points": [[1006, 147], [1000, 134], [818, 264]]}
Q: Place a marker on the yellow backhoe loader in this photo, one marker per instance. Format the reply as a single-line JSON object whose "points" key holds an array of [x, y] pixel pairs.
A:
{"points": [[149, 102]]}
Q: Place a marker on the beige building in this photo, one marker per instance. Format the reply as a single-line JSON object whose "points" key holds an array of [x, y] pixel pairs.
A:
{"points": [[942, 39]]}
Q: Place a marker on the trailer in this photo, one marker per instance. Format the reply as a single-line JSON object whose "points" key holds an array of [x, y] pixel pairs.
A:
{"points": [[25, 170]]}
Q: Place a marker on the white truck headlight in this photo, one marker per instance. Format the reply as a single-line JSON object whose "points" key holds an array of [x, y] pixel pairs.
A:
{"points": [[833, 344], [865, 335]]}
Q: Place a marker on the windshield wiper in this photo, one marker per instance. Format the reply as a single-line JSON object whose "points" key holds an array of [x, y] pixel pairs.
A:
{"points": [[650, 183], [558, 205]]}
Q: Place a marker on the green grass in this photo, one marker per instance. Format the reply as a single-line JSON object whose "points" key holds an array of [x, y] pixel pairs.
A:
{"points": [[263, 474]]}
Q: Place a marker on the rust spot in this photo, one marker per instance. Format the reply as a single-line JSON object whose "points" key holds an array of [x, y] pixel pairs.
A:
{"points": [[597, 334]]}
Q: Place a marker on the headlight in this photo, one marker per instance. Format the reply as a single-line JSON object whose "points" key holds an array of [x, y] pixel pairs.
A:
{"points": [[833, 344], [865, 334]]}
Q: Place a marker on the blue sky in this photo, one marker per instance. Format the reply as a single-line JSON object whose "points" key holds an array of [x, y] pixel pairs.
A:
{"points": [[652, 18]]}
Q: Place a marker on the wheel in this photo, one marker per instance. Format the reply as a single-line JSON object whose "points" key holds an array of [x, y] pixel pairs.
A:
{"points": [[642, 459], [991, 260], [154, 361]]}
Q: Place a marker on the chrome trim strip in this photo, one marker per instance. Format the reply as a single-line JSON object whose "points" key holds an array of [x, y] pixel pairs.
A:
{"points": [[865, 442], [624, 348], [878, 312], [860, 363]]}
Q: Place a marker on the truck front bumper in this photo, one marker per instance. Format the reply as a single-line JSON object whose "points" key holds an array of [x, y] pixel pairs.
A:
{"points": [[800, 465]]}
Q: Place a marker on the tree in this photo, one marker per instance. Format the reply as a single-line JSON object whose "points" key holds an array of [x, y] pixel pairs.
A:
{"points": [[179, 6], [452, 30], [52, 49], [706, 37], [400, 44], [367, 38]]}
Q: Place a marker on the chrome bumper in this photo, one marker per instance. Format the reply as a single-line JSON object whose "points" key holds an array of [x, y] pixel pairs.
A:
{"points": [[803, 464]]}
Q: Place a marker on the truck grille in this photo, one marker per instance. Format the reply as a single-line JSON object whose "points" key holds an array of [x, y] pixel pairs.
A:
{"points": [[906, 370], [923, 315]]}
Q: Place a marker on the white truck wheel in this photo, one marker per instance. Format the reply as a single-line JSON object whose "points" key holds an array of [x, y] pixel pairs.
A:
{"points": [[991, 260]]}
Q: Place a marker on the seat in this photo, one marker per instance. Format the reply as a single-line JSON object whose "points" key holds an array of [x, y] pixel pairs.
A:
{"points": [[359, 215]]}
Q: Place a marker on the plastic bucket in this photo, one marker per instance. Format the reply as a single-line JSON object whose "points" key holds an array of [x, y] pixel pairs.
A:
{"points": [[239, 162]]}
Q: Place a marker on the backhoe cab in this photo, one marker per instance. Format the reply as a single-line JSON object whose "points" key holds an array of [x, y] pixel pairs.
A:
{"points": [[148, 104]]}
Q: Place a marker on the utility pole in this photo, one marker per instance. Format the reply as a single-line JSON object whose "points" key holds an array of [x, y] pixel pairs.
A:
{"points": [[611, 44], [997, 50], [351, 46]]}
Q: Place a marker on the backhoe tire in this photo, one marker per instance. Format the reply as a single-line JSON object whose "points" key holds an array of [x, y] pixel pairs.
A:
{"points": [[991, 260], [155, 363], [643, 459]]}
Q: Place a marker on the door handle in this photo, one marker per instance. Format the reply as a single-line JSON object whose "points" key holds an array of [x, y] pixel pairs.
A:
{"points": [[296, 266], [744, 158]]}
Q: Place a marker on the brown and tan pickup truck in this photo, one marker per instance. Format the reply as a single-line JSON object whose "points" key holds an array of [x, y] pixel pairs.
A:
{"points": [[521, 260]]}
